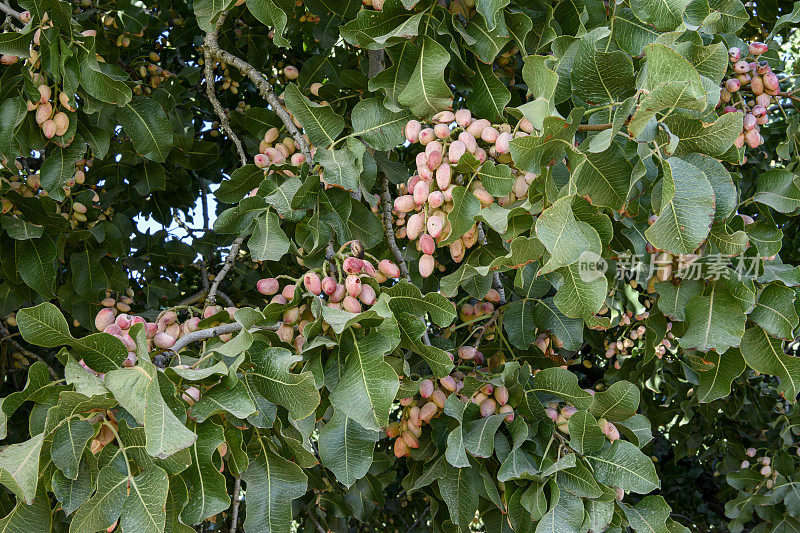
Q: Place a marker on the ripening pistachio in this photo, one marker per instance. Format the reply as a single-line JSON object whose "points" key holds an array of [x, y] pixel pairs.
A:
{"points": [[758, 48], [463, 117], [771, 82], [44, 93], [312, 283], [163, 340], [426, 265], [49, 129], [740, 67], [291, 72], [62, 123], [267, 286], [191, 395], [733, 85]]}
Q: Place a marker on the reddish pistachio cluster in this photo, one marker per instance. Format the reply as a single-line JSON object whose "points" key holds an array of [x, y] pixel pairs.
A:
{"points": [[561, 419], [473, 313], [161, 334], [353, 296], [272, 152], [421, 408], [421, 210], [765, 470], [749, 88]]}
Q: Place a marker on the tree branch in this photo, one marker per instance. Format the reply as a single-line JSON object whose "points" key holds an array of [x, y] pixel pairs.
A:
{"points": [[314, 519], [212, 48], [237, 486], [204, 334], [594, 127], [27, 353], [212, 292], [212, 97], [8, 10], [386, 206]]}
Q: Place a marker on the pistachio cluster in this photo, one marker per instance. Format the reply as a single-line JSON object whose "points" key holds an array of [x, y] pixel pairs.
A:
{"points": [[749, 87], [354, 287], [420, 409], [424, 202], [278, 152]]}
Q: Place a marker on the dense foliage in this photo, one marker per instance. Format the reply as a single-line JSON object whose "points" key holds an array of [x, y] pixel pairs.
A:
{"points": [[399, 265]]}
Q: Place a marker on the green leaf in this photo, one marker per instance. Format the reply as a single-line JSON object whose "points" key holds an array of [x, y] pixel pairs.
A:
{"points": [[144, 509], [242, 181], [19, 467], [374, 30], [629, 33], [296, 392], [37, 384], [636, 429], [381, 128], [775, 311], [488, 96], [715, 319], [368, 386], [465, 208], [779, 189], [486, 43], [578, 296], [222, 398], [59, 166], [623, 465], [268, 242], [561, 233], [460, 490], [105, 507], [479, 435], [764, 354], [406, 297], [672, 82], [394, 78], [102, 82], [426, 92], [74, 493], [321, 123], [137, 390], [578, 481], [69, 440], [562, 383], [272, 483], [600, 77], [713, 139], [532, 152], [273, 13], [585, 436], [618, 402], [208, 494], [687, 208], [146, 123], [569, 331], [715, 383], [727, 16], [35, 517], [36, 262], [346, 448], [725, 194], [605, 177], [664, 15], [342, 166], [649, 515]]}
